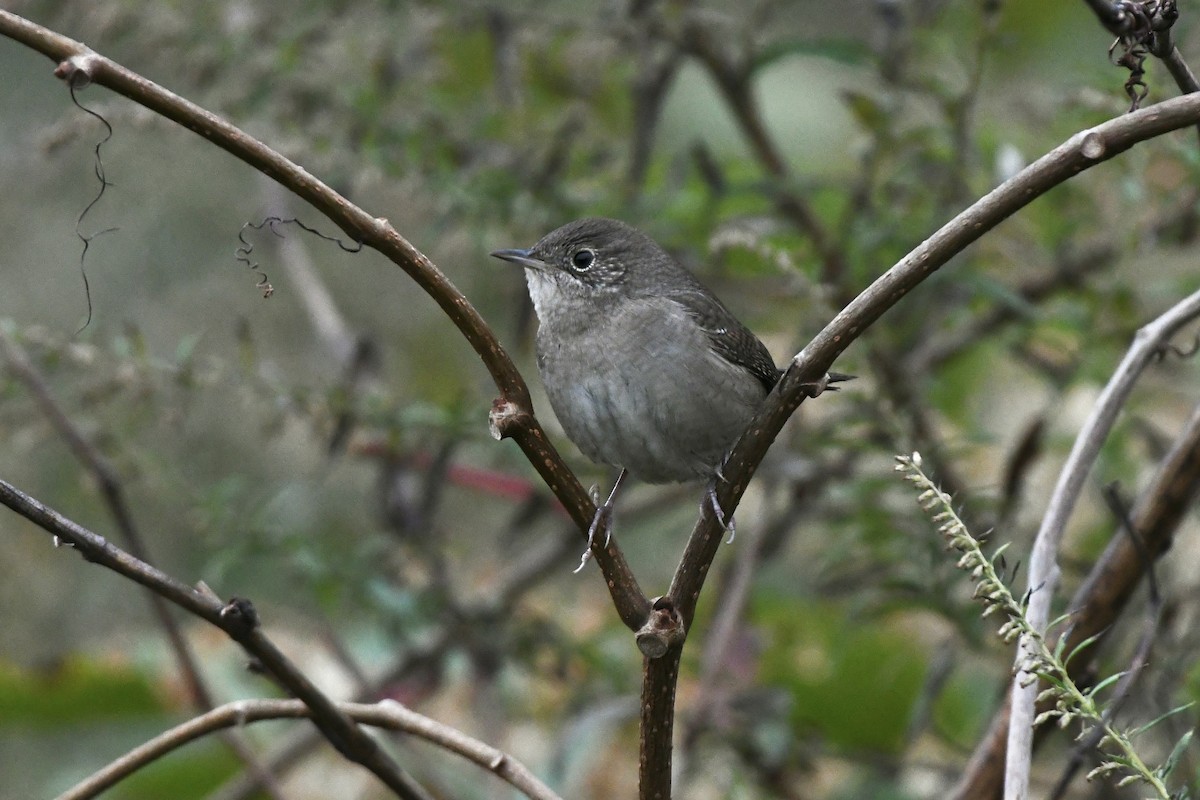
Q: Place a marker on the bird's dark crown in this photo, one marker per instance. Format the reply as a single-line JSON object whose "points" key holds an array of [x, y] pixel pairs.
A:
{"points": [[603, 253]]}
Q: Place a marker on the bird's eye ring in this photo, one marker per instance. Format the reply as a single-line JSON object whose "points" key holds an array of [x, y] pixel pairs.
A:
{"points": [[583, 259]]}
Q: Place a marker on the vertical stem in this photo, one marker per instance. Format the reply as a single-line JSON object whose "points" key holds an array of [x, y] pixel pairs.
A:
{"points": [[659, 679]]}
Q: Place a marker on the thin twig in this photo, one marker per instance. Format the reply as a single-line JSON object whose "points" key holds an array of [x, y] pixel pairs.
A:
{"points": [[1043, 559], [238, 619], [384, 714], [111, 490], [536, 567], [1104, 594], [283, 758]]}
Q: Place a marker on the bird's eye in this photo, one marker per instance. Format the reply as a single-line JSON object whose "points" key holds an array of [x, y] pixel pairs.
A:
{"points": [[583, 259]]}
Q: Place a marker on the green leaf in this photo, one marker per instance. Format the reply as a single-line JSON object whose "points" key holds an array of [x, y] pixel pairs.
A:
{"points": [[1104, 684], [1160, 718], [1088, 642], [1176, 753], [866, 110]]}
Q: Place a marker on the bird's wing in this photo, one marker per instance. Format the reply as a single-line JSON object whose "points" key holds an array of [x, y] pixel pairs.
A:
{"points": [[730, 338]]}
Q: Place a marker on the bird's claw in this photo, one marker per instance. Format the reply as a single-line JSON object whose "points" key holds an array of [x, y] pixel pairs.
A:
{"points": [[727, 523], [824, 384], [602, 519]]}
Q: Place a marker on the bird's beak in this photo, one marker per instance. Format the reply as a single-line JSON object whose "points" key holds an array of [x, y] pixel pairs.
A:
{"points": [[522, 258]]}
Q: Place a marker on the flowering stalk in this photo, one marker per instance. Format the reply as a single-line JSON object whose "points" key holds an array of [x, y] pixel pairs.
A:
{"points": [[1070, 702]]}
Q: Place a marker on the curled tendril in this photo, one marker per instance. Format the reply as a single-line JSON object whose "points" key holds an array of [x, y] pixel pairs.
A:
{"points": [[1140, 25], [1175, 351], [271, 223], [104, 182]]}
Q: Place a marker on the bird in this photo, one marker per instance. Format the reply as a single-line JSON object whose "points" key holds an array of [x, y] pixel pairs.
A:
{"points": [[645, 368]]}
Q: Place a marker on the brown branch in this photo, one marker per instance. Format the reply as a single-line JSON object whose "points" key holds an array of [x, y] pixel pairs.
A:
{"points": [[1082, 151], [1185, 79], [660, 676], [536, 567], [512, 416], [384, 714], [236, 618]]}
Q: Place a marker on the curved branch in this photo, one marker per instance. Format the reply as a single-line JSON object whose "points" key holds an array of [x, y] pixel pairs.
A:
{"points": [[239, 620], [512, 416], [1043, 560], [1082, 151], [384, 714]]}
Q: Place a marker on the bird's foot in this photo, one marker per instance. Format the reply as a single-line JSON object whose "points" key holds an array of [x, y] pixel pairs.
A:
{"points": [[602, 520], [727, 523], [824, 384]]}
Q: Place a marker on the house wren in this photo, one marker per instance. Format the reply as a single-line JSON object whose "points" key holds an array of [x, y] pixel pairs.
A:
{"points": [[645, 368]]}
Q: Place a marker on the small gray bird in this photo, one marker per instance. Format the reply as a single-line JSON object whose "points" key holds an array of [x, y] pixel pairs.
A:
{"points": [[645, 368]]}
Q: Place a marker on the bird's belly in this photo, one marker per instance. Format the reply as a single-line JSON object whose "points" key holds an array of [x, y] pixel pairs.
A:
{"points": [[661, 421]]}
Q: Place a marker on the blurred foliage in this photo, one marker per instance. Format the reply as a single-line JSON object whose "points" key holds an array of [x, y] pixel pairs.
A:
{"points": [[73, 693], [362, 504]]}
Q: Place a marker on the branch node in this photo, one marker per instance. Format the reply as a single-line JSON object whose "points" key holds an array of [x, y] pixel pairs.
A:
{"points": [[1093, 147], [240, 613], [663, 629], [78, 70], [504, 418], [241, 712]]}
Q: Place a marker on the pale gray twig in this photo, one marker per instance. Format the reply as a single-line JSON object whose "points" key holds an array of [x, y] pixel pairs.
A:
{"points": [[384, 714], [1043, 563]]}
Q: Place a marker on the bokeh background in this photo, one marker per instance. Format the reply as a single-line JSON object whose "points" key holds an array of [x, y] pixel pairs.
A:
{"points": [[325, 452]]}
